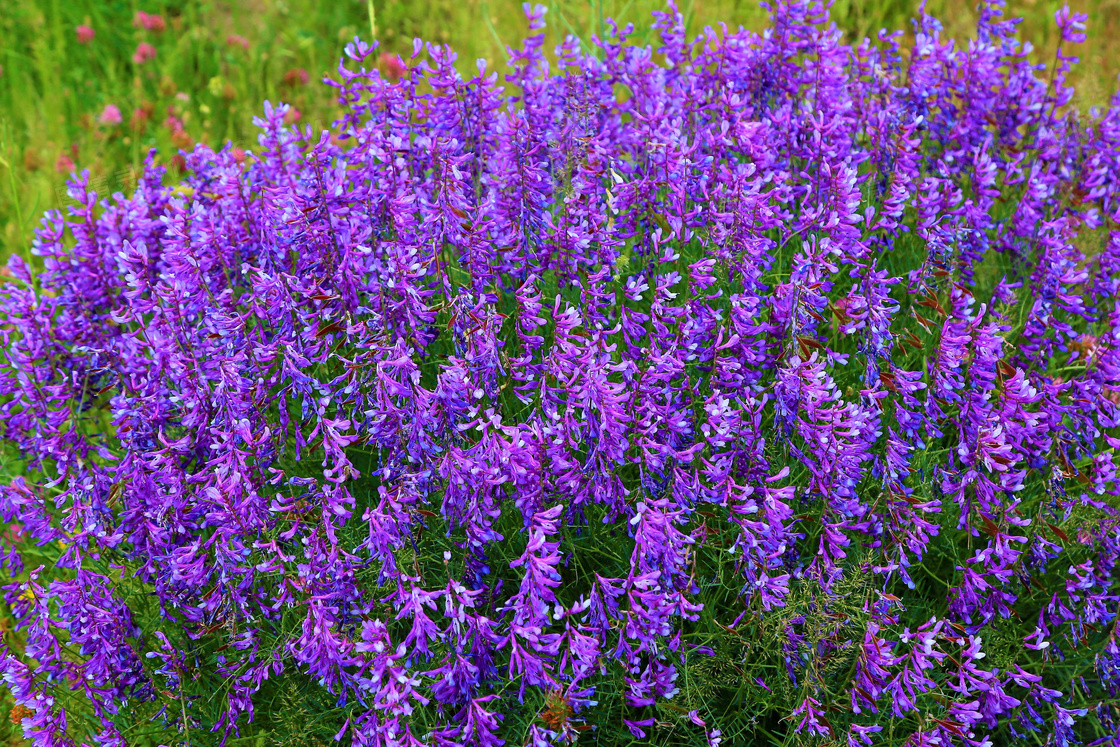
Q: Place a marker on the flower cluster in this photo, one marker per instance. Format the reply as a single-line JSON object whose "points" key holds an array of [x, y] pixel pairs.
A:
{"points": [[744, 387]]}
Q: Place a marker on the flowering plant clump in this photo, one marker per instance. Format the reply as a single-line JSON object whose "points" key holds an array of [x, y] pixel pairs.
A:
{"points": [[745, 388]]}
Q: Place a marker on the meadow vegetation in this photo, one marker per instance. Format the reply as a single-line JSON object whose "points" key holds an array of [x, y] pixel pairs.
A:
{"points": [[757, 390]]}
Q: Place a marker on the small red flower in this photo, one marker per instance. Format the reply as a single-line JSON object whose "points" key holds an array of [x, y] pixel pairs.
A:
{"points": [[149, 21], [144, 53], [141, 115], [392, 66], [85, 34], [19, 713], [172, 122], [297, 77], [110, 115], [64, 164]]}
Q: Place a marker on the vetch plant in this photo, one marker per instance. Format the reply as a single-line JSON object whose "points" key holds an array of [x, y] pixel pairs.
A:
{"points": [[750, 388]]}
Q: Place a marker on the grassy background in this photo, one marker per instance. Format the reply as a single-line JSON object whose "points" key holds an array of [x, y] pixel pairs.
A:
{"points": [[53, 88]]}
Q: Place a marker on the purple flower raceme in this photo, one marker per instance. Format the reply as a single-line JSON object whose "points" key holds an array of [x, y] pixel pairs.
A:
{"points": [[733, 388]]}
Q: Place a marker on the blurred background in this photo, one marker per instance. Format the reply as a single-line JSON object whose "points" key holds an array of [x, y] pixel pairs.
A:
{"points": [[93, 84]]}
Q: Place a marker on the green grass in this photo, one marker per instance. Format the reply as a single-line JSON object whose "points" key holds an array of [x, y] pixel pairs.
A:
{"points": [[52, 89]]}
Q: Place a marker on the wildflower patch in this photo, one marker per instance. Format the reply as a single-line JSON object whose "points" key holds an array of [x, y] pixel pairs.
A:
{"points": [[746, 389]]}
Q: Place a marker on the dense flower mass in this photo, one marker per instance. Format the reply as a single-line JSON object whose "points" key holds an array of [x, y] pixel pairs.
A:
{"points": [[754, 388]]}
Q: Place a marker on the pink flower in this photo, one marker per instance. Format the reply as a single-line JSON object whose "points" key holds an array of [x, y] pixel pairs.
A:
{"points": [[297, 77], [149, 21], [292, 116], [143, 53], [237, 40], [392, 65], [85, 34], [64, 164], [140, 116], [110, 115]]}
